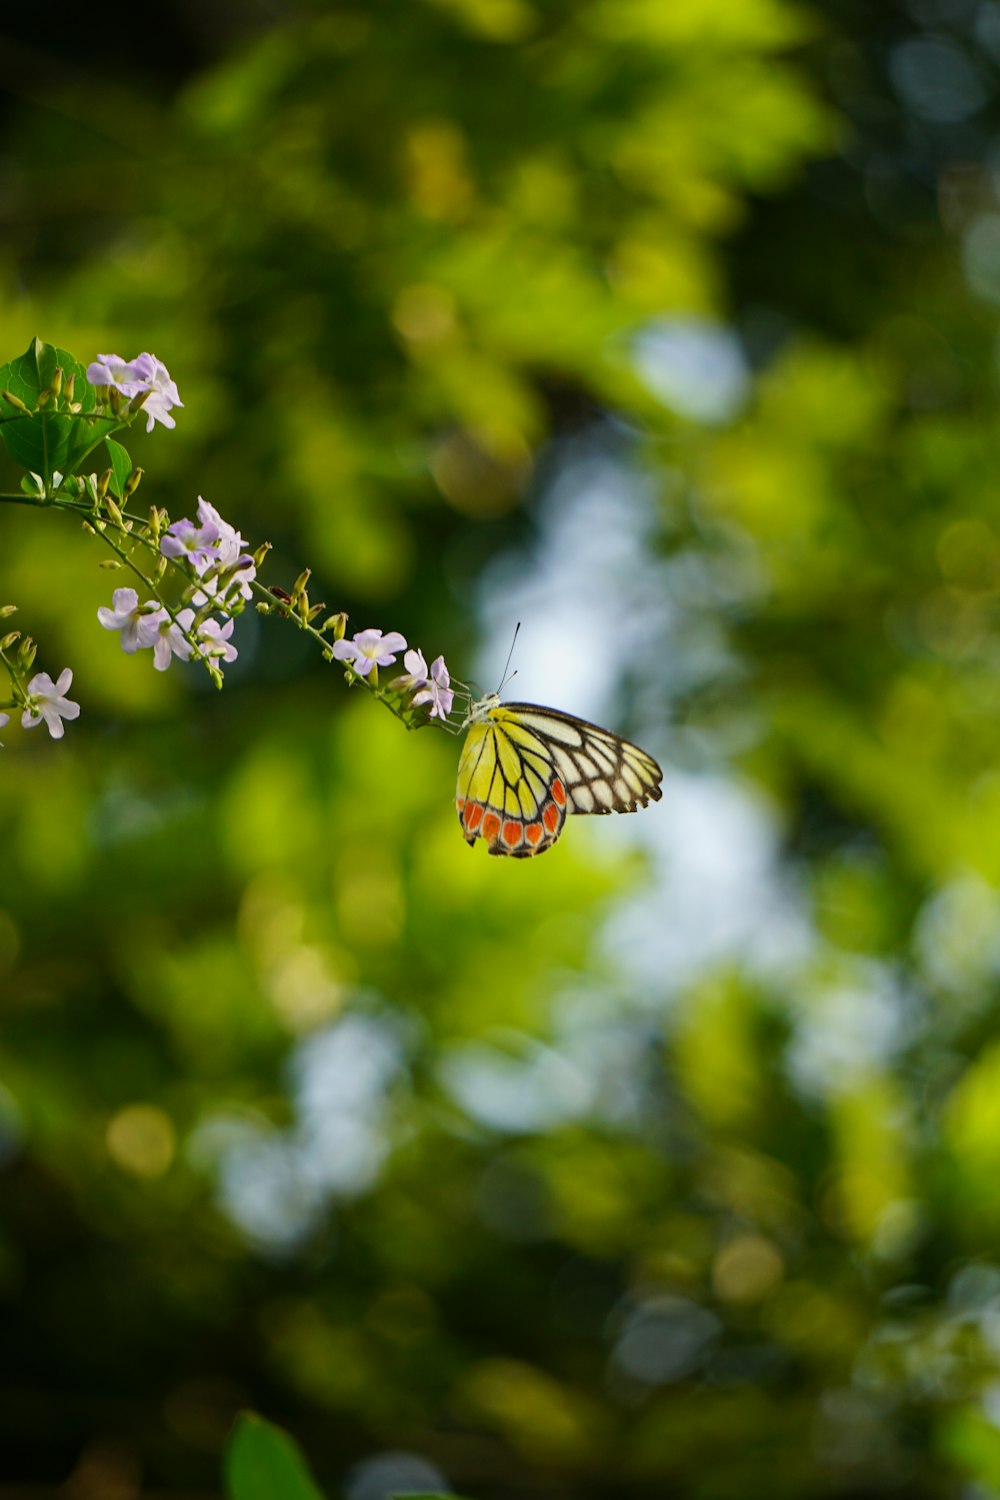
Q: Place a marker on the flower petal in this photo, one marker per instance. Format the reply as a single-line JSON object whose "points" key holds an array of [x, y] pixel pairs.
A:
{"points": [[53, 722], [125, 601]]}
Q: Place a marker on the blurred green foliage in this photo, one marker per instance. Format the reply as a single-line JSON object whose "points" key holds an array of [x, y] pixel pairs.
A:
{"points": [[262, 1463], [591, 1176]]}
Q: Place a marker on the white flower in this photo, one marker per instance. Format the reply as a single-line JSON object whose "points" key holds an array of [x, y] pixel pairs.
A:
{"points": [[47, 700], [169, 640], [416, 671], [162, 391], [438, 693], [137, 623], [216, 639]]}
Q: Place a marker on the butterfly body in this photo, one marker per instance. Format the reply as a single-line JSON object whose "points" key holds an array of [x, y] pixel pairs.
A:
{"points": [[524, 768]]}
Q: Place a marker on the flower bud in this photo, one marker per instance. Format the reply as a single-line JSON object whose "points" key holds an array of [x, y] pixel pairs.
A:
{"points": [[114, 398], [6, 610], [15, 402], [338, 624], [68, 390], [113, 511], [299, 586], [109, 564], [102, 484], [44, 398], [57, 381], [26, 652], [260, 554], [154, 523], [317, 609], [132, 483], [9, 639], [262, 607]]}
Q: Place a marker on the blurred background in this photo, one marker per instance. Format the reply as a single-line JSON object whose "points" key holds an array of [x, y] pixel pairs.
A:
{"points": [[668, 1163]]}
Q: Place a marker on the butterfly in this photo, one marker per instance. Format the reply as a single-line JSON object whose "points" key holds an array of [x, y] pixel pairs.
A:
{"points": [[523, 768]]}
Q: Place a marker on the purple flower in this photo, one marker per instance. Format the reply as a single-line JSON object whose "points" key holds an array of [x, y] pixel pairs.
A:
{"points": [[209, 516], [216, 639], [237, 567], [144, 374], [111, 369], [47, 700], [169, 639], [136, 622], [196, 543], [438, 693], [369, 648]]}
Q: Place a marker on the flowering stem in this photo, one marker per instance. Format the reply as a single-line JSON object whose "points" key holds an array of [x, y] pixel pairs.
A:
{"points": [[85, 509], [282, 608], [15, 682], [189, 635]]}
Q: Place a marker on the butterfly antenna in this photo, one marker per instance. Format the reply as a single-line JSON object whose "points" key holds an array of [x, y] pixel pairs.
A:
{"points": [[505, 679]]}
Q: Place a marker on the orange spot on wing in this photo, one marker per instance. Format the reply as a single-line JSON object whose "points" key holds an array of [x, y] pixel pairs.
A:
{"points": [[511, 834], [534, 833], [559, 792], [473, 816], [460, 803], [550, 817], [491, 827]]}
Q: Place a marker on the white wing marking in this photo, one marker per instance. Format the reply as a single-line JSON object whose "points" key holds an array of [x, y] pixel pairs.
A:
{"points": [[583, 799]]}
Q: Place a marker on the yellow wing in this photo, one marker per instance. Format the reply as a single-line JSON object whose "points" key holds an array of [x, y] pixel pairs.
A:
{"points": [[523, 768]]}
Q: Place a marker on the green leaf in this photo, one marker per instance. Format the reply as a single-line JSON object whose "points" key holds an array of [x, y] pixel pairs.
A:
{"points": [[47, 440], [121, 468], [263, 1463]]}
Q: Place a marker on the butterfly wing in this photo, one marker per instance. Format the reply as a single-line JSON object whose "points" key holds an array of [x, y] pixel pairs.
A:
{"points": [[523, 768], [508, 793]]}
